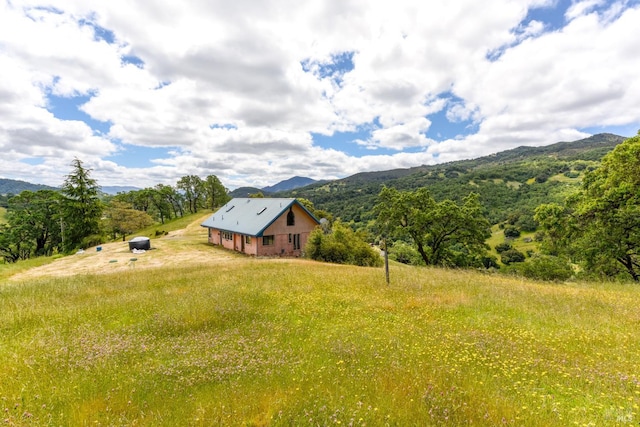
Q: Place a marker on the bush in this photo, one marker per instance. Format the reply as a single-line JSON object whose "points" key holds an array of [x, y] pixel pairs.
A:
{"points": [[527, 223], [511, 256], [405, 253], [542, 177], [502, 247], [341, 245], [489, 261], [545, 267], [511, 232]]}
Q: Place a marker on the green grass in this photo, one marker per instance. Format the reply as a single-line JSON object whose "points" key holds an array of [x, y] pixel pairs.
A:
{"points": [[3, 214], [264, 342], [519, 243]]}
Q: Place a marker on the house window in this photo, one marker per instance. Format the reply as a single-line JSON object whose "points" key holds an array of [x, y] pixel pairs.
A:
{"points": [[290, 237], [291, 218], [247, 240], [268, 240], [227, 235], [296, 242]]}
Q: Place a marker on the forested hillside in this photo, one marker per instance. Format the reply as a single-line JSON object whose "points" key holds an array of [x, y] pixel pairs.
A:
{"points": [[9, 187], [510, 184]]}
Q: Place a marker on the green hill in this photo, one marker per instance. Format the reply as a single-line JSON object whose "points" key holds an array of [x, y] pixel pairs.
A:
{"points": [[12, 186], [511, 182]]}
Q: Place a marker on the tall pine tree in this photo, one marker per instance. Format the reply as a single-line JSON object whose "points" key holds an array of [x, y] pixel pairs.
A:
{"points": [[82, 208]]}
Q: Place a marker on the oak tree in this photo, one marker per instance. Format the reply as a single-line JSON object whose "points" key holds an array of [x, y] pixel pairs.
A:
{"points": [[444, 233]]}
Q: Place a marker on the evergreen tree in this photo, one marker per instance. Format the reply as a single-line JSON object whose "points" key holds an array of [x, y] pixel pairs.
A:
{"points": [[82, 208]]}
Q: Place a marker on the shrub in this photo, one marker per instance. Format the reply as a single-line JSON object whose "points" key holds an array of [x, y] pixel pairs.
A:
{"points": [[341, 245], [545, 267], [405, 253], [542, 177], [511, 256], [489, 261], [511, 232], [526, 223], [501, 247]]}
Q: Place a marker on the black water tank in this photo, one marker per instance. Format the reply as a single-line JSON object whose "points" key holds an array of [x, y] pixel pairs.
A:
{"points": [[140, 243]]}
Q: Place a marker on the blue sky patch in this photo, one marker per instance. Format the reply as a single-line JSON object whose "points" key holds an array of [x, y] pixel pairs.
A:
{"points": [[134, 156], [99, 33], [33, 161], [622, 130], [339, 65], [552, 17], [68, 108], [226, 126], [133, 60], [442, 128], [344, 141]]}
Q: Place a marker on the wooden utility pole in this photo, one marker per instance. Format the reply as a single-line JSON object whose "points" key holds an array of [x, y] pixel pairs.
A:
{"points": [[386, 260]]}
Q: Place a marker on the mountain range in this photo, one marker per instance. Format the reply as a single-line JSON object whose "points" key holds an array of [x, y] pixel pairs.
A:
{"points": [[286, 185], [511, 183]]}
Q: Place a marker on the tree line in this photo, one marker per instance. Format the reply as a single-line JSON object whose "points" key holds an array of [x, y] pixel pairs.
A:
{"points": [[46, 222], [594, 229]]}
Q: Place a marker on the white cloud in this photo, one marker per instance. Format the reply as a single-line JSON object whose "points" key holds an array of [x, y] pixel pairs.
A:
{"points": [[580, 8], [224, 84]]}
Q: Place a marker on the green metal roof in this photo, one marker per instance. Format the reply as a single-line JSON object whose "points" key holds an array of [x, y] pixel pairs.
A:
{"points": [[250, 216]]}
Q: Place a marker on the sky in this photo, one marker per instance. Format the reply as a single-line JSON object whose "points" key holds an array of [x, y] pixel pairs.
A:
{"points": [[255, 92]]}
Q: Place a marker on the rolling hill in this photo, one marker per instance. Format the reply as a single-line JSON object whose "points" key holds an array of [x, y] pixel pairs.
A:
{"points": [[12, 186], [509, 183]]}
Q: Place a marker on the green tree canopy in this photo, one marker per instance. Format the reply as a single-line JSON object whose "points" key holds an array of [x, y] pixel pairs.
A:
{"points": [[33, 225], [193, 189], [600, 225], [215, 192], [123, 220], [444, 233], [82, 208]]}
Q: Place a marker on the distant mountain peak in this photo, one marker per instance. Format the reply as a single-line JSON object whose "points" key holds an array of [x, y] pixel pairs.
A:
{"points": [[289, 184]]}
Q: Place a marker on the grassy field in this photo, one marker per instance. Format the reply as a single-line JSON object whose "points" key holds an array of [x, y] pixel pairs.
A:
{"points": [[3, 213], [293, 342], [525, 243]]}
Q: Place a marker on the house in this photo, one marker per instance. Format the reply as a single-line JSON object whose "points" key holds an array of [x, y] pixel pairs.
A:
{"points": [[262, 226]]}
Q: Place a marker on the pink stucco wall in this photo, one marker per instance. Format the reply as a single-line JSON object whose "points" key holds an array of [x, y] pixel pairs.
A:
{"points": [[282, 246]]}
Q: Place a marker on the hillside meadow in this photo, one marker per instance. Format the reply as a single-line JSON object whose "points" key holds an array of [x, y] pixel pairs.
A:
{"points": [[228, 340]]}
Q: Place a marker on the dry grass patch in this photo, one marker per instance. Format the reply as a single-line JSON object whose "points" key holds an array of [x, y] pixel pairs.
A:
{"points": [[182, 247]]}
